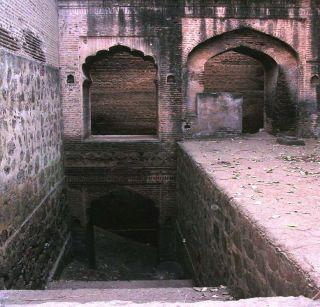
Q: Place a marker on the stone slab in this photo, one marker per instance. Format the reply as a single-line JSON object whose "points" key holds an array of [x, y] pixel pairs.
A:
{"points": [[218, 112]]}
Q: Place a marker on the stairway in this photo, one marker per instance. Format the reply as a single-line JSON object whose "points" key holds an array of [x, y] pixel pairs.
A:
{"points": [[139, 297], [139, 291], [122, 284]]}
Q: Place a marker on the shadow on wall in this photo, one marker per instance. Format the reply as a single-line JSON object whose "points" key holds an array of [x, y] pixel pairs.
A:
{"points": [[234, 62]]}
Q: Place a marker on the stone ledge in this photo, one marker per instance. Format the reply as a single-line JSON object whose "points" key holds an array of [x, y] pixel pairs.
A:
{"points": [[261, 213], [138, 297]]}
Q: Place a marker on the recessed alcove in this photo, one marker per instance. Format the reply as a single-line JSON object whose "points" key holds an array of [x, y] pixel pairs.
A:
{"points": [[121, 93]]}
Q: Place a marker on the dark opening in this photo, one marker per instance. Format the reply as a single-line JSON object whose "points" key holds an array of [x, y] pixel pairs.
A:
{"points": [[123, 92], [122, 234], [119, 240], [128, 214], [239, 73], [70, 79], [315, 80], [171, 79]]}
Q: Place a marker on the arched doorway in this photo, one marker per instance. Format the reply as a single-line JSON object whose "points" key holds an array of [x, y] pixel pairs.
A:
{"points": [[128, 214], [229, 55], [120, 93], [123, 233]]}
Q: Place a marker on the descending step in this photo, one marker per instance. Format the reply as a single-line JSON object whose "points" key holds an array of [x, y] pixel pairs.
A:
{"points": [[132, 284], [134, 294], [148, 297]]}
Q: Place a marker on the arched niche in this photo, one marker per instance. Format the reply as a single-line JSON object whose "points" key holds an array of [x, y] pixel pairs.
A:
{"points": [[127, 213], [123, 212], [280, 63], [315, 80], [120, 93]]}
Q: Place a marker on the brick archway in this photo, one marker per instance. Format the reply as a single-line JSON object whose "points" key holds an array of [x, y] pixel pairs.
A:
{"points": [[280, 62], [123, 212], [120, 93]]}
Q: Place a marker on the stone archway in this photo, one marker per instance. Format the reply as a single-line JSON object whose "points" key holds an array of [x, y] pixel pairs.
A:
{"points": [[280, 63]]}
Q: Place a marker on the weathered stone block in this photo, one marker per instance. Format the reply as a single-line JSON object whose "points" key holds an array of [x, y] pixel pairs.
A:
{"points": [[218, 113]]}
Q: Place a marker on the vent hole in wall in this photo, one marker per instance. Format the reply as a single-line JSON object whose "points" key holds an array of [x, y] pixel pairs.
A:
{"points": [[7, 41], [171, 79], [70, 79], [315, 80]]}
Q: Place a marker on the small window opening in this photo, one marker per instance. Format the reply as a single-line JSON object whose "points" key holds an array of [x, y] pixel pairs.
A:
{"points": [[315, 80], [171, 79], [70, 79]]}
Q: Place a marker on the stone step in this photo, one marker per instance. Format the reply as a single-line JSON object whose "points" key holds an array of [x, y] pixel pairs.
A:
{"points": [[147, 297], [136, 295], [132, 284]]}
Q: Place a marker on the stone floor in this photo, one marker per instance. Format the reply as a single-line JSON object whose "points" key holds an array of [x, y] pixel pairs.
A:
{"points": [[117, 258], [277, 186]]}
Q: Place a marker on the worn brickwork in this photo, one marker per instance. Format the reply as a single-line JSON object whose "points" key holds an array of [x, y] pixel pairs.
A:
{"points": [[32, 212], [146, 166], [292, 23], [179, 37], [232, 248], [26, 19], [237, 73]]}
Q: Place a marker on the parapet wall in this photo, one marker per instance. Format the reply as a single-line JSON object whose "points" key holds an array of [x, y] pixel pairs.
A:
{"points": [[225, 245]]}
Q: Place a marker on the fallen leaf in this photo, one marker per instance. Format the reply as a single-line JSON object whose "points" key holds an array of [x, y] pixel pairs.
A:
{"points": [[292, 225]]}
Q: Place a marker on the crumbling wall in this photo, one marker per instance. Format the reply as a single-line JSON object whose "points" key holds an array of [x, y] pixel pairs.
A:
{"points": [[146, 165], [32, 211]]}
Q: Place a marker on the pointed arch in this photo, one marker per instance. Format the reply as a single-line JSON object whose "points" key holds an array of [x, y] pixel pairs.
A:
{"points": [[120, 92], [280, 62]]}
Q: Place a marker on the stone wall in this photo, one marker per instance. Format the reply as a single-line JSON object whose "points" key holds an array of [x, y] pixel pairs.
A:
{"points": [[32, 212], [225, 246]]}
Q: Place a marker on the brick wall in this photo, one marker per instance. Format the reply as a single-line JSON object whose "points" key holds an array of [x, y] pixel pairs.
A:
{"points": [[38, 17], [146, 166], [234, 72], [123, 95], [168, 31], [292, 23], [224, 245], [32, 211]]}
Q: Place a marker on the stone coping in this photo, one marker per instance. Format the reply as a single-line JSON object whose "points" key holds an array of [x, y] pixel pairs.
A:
{"points": [[276, 187]]}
